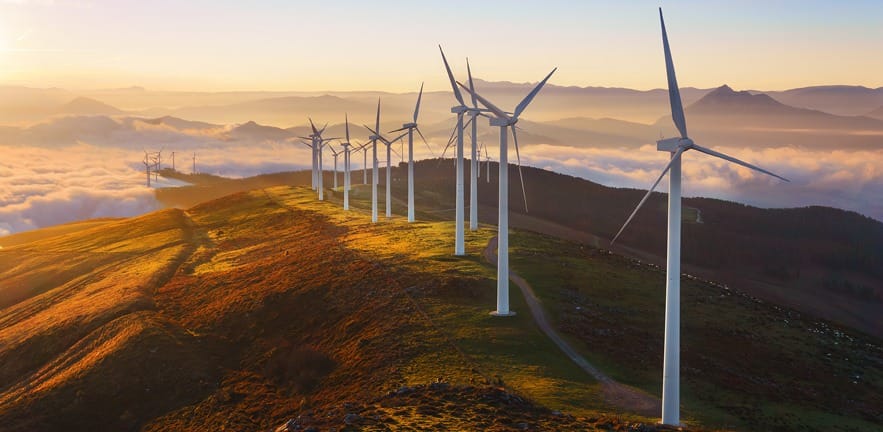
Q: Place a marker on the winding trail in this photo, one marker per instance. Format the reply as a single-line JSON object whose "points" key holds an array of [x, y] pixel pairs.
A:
{"points": [[616, 394]]}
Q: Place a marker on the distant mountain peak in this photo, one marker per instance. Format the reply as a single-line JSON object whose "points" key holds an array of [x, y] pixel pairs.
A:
{"points": [[84, 105], [724, 97]]}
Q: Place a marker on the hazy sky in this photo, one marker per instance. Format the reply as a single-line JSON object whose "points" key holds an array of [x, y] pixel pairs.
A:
{"points": [[391, 45]]}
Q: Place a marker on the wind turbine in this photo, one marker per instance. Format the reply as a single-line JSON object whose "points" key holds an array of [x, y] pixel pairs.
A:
{"points": [[459, 235], [335, 153], [194, 164], [676, 147], [505, 121], [389, 151], [319, 144], [411, 127], [372, 139], [475, 164], [364, 149], [146, 163], [346, 165], [312, 137]]}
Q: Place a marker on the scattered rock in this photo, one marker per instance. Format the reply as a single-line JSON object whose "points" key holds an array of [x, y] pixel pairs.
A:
{"points": [[352, 418]]}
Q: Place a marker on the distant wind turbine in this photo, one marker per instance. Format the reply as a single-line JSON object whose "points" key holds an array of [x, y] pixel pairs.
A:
{"points": [[505, 121], [346, 164], [147, 167], [676, 147], [314, 160], [411, 127], [318, 145], [389, 151], [335, 153], [372, 140]]}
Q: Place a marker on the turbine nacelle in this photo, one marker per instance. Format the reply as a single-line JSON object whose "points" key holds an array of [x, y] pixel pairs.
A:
{"points": [[459, 109], [408, 126], [672, 145], [502, 122]]}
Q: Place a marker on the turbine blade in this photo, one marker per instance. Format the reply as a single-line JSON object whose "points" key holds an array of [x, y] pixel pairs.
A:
{"points": [[471, 84], [524, 103], [417, 108], [450, 141], [498, 112], [377, 124], [399, 137], [347, 122], [451, 77], [315, 132], [520, 174], [674, 94], [711, 152], [323, 129], [468, 122], [431, 151], [652, 188], [396, 130]]}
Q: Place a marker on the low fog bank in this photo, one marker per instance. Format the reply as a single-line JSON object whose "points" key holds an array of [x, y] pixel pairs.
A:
{"points": [[41, 187]]}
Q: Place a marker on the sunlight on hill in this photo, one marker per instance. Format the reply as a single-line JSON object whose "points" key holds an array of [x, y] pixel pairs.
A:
{"points": [[263, 306]]}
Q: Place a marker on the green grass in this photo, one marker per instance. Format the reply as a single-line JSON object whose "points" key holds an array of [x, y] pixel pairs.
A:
{"points": [[457, 293], [728, 340]]}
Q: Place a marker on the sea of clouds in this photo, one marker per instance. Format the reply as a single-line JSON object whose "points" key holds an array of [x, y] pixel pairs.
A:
{"points": [[846, 179], [59, 179]]}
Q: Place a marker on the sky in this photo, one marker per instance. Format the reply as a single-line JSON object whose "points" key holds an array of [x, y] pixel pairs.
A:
{"points": [[392, 45]]}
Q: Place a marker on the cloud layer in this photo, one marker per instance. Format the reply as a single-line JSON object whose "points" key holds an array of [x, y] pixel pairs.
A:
{"points": [[40, 187], [851, 180], [57, 178]]}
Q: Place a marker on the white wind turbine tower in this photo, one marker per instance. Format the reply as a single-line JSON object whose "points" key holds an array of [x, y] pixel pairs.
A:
{"points": [[675, 146], [505, 121], [459, 235], [411, 127]]}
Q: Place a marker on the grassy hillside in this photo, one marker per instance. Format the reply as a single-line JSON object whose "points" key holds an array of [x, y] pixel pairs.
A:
{"points": [[821, 261], [246, 312], [263, 307]]}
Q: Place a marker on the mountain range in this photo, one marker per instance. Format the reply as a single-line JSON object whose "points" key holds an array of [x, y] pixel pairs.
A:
{"points": [[722, 116]]}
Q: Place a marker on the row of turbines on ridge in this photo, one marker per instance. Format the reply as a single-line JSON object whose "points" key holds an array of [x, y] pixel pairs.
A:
{"points": [[506, 121], [153, 164]]}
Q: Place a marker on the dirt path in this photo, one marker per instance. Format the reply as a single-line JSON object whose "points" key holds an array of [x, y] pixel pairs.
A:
{"points": [[616, 394]]}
